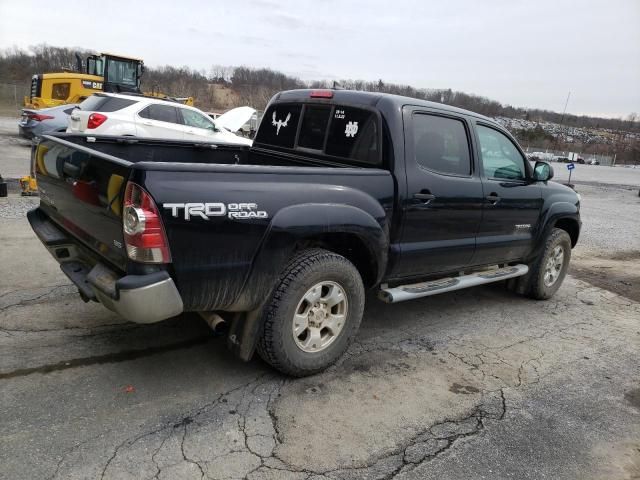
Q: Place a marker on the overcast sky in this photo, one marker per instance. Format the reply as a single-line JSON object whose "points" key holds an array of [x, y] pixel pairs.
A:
{"points": [[524, 53]]}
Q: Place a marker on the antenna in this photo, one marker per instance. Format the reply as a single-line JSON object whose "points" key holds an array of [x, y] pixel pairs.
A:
{"points": [[555, 144]]}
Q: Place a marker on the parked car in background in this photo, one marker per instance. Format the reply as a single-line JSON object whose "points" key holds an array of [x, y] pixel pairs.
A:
{"points": [[149, 117], [249, 128], [34, 123]]}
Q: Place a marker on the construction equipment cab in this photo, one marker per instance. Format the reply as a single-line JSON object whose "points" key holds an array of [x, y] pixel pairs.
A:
{"points": [[120, 74], [103, 73]]}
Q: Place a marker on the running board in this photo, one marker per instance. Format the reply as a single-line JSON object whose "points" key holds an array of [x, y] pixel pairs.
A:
{"points": [[442, 285]]}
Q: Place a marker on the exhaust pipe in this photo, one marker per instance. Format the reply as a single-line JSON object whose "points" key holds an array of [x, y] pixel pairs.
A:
{"points": [[218, 324]]}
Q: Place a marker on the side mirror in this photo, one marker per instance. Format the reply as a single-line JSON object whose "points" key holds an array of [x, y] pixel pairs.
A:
{"points": [[542, 172]]}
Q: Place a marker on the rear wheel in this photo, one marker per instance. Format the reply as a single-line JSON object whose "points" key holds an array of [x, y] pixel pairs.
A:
{"points": [[314, 313]]}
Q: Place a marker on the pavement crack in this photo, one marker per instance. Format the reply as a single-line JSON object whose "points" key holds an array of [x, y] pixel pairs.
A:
{"points": [[104, 359], [69, 287], [185, 422]]}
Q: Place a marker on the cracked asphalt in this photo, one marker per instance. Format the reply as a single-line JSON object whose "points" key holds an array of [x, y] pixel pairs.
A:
{"points": [[468, 385]]}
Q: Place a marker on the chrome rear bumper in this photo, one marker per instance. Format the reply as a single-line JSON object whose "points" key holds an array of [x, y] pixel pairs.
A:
{"points": [[145, 298]]}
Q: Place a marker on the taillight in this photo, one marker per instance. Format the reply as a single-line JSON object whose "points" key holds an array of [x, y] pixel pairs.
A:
{"points": [[321, 94], [38, 117], [142, 227], [95, 120]]}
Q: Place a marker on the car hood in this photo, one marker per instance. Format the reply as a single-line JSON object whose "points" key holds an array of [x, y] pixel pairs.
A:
{"points": [[235, 118]]}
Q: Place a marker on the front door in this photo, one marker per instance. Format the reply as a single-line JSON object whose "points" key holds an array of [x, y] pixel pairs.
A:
{"points": [[197, 126], [512, 201], [443, 205]]}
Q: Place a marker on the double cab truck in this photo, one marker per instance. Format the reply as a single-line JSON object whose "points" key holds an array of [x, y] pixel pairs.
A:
{"points": [[341, 192]]}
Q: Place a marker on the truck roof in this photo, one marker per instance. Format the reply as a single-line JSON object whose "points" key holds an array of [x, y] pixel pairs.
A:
{"points": [[372, 99]]}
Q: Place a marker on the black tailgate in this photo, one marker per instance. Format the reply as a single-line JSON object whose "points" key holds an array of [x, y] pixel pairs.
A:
{"points": [[81, 190]]}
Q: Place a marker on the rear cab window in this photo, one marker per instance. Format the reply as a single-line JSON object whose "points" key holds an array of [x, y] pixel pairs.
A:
{"points": [[104, 103], [279, 125], [333, 133]]}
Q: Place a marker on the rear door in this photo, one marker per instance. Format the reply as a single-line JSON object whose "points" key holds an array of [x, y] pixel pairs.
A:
{"points": [[159, 121], [512, 202], [443, 206]]}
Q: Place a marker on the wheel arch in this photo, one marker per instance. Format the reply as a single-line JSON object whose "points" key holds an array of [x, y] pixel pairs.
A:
{"points": [[569, 225], [342, 229]]}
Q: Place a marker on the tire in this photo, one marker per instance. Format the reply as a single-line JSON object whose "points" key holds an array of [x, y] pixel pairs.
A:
{"points": [[306, 291], [545, 276]]}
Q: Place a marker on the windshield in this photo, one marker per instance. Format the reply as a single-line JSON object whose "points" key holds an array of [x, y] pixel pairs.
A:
{"points": [[122, 72]]}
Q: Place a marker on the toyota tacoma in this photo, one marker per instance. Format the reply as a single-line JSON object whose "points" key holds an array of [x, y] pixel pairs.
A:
{"points": [[341, 192]]}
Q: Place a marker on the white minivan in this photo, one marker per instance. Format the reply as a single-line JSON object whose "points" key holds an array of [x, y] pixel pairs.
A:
{"points": [[149, 117]]}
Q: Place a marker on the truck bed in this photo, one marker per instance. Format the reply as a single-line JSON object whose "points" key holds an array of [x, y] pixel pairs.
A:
{"points": [[82, 181]]}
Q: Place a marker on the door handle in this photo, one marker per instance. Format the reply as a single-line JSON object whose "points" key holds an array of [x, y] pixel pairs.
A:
{"points": [[147, 123], [493, 198], [424, 196]]}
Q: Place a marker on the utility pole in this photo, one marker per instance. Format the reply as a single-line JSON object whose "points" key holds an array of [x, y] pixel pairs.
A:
{"points": [[555, 144]]}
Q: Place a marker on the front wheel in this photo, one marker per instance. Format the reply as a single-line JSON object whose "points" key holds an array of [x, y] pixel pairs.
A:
{"points": [[547, 272], [314, 313]]}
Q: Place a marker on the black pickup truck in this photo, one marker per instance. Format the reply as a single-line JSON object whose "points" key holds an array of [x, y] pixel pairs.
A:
{"points": [[341, 191]]}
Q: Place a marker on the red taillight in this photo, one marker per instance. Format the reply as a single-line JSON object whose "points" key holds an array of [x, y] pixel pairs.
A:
{"points": [[95, 120], [142, 227], [38, 117], [321, 94]]}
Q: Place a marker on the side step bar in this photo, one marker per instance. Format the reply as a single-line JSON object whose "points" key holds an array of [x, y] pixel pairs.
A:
{"points": [[449, 284]]}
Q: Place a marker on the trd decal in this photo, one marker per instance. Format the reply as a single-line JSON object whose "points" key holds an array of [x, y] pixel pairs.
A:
{"points": [[239, 211]]}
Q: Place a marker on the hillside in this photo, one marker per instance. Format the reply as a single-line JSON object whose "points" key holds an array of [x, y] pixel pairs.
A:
{"points": [[224, 87]]}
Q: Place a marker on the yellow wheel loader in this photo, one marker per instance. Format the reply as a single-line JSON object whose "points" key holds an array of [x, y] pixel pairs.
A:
{"points": [[103, 73]]}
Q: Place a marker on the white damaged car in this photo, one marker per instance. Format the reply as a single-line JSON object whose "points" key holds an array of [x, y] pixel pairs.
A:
{"points": [[149, 117]]}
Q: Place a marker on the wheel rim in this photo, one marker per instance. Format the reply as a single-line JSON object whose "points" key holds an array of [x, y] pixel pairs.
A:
{"points": [[554, 266], [320, 316]]}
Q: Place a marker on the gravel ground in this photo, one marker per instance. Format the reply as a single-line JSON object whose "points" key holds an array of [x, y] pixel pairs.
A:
{"points": [[598, 175], [468, 385], [15, 157], [17, 207]]}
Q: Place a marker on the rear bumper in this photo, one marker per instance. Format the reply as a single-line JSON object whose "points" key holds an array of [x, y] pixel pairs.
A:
{"points": [[145, 298], [25, 131]]}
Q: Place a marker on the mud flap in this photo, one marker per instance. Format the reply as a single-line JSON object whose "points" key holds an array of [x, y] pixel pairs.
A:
{"points": [[244, 332]]}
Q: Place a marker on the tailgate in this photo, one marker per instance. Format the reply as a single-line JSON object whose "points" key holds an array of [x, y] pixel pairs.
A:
{"points": [[81, 190]]}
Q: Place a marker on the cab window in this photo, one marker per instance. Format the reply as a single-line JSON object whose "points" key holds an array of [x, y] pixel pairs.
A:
{"points": [[314, 127], [279, 125], [441, 144], [500, 157], [353, 134]]}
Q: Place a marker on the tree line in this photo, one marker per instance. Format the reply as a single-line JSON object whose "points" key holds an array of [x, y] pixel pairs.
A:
{"points": [[255, 86]]}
